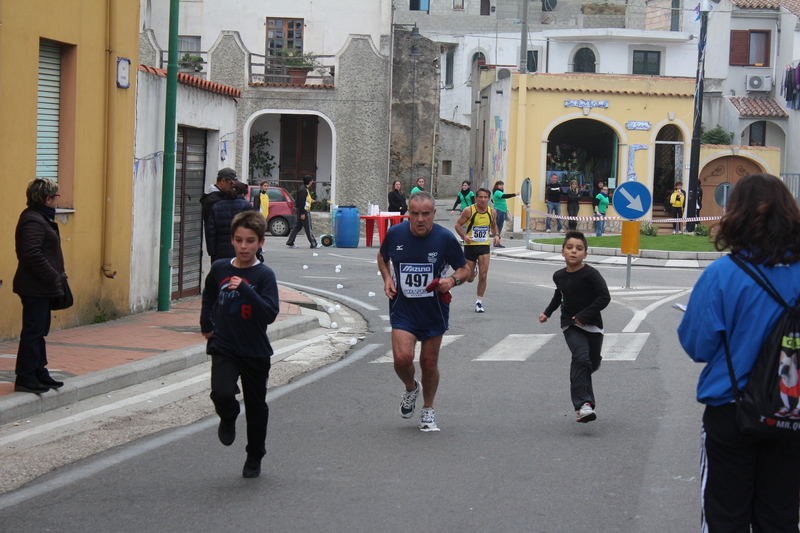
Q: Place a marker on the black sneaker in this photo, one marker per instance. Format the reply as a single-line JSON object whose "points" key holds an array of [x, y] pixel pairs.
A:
{"points": [[252, 468], [226, 431]]}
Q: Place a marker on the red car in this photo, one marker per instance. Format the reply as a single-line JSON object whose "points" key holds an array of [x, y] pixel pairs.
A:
{"points": [[281, 209]]}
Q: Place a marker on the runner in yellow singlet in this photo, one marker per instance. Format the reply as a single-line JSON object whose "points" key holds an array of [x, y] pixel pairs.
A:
{"points": [[481, 231]]}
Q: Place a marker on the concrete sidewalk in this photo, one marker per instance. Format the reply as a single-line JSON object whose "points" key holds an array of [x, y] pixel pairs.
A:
{"points": [[100, 358], [515, 248]]}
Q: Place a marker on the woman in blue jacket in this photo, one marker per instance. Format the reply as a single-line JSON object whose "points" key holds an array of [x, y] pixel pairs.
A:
{"points": [[746, 481]]}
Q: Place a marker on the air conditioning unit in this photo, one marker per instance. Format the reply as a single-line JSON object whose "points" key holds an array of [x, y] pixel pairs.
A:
{"points": [[759, 83], [502, 73]]}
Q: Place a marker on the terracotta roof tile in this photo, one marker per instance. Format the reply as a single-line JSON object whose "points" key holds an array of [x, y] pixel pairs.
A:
{"points": [[757, 4], [792, 5], [194, 81], [758, 107]]}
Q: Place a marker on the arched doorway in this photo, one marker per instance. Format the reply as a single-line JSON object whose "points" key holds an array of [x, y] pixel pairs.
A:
{"points": [[719, 172], [300, 143], [668, 164], [585, 150]]}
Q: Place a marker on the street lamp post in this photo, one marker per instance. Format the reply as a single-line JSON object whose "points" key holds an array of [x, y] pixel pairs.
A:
{"points": [[694, 158]]}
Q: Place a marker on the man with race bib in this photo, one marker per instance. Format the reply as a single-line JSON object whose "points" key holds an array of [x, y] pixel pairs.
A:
{"points": [[480, 221], [414, 259]]}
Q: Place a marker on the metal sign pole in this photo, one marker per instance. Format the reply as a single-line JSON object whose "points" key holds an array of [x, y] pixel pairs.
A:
{"points": [[628, 274]]}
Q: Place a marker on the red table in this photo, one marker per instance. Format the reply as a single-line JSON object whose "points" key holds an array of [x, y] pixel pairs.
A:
{"points": [[384, 221]]}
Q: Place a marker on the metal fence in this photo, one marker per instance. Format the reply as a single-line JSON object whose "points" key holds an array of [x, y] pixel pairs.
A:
{"points": [[793, 182]]}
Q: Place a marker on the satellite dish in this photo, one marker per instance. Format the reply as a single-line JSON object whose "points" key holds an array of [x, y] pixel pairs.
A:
{"points": [[549, 5]]}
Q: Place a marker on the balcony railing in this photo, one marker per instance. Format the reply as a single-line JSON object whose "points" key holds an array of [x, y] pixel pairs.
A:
{"points": [[189, 61], [298, 70]]}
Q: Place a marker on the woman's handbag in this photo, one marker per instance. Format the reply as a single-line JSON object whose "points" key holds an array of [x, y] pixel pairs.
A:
{"points": [[64, 301]]}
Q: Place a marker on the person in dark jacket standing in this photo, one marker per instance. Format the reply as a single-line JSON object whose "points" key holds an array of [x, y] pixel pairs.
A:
{"points": [[218, 227], [302, 206], [39, 278], [217, 192], [397, 202], [553, 197], [573, 203]]}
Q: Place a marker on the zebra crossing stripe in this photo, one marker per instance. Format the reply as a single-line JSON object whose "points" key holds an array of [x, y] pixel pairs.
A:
{"points": [[388, 358], [515, 347], [623, 346]]}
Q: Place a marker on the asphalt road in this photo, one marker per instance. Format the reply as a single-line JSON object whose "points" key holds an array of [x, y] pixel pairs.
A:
{"points": [[510, 456]]}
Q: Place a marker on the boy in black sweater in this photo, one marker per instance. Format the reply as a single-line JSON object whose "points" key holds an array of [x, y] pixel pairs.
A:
{"points": [[240, 299], [582, 293]]}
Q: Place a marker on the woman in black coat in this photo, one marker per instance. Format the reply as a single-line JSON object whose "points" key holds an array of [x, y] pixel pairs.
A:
{"points": [[573, 203], [218, 226], [397, 202], [39, 278]]}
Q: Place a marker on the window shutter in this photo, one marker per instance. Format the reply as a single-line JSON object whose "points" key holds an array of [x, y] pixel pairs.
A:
{"points": [[48, 109], [740, 47]]}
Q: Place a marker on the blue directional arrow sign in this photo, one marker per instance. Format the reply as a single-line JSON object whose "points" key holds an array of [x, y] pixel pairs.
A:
{"points": [[632, 200]]}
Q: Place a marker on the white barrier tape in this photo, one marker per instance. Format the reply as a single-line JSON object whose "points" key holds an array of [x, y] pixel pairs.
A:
{"points": [[585, 219]]}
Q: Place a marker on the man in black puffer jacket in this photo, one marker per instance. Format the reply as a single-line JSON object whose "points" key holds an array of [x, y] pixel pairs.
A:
{"points": [[218, 226]]}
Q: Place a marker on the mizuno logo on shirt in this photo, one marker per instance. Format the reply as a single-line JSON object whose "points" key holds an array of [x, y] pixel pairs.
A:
{"points": [[399, 247]]}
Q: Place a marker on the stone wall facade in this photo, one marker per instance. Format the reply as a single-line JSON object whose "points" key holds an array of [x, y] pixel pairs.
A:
{"points": [[454, 147], [356, 108], [415, 111]]}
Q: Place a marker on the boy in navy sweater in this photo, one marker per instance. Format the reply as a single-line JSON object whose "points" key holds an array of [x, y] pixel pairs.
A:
{"points": [[239, 300], [582, 293]]}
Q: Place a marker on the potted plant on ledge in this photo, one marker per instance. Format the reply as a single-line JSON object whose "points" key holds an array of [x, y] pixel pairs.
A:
{"points": [[298, 65]]}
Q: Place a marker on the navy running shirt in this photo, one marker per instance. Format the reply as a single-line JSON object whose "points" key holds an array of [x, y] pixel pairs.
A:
{"points": [[415, 262]]}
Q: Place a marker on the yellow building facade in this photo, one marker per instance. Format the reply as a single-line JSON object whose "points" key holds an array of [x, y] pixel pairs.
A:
{"points": [[604, 127], [67, 111]]}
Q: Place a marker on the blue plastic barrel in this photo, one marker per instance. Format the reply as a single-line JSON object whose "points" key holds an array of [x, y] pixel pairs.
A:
{"points": [[348, 225]]}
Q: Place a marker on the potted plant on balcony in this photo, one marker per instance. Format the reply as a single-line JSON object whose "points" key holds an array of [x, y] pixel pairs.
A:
{"points": [[298, 65], [189, 63]]}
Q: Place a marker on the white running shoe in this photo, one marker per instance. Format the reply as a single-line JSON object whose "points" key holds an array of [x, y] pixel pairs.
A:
{"points": [[586, 414], [428, 421], [409, 402], [479, 308]]}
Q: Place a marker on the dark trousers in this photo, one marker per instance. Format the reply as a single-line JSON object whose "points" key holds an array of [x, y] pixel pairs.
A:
{"points": [[677, 212], [225, 370], [747, 480], [32, 353], [306, 225], [585, 348], [572, 209]]}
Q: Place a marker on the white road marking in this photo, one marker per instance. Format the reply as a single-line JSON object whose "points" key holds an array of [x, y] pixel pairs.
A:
{"points": [[624, 292], [639, 316], [373, 261], [388, 358], [618, 260], [334, 295], [384, 317], [515, 347], [623, 346], [682, 263]]}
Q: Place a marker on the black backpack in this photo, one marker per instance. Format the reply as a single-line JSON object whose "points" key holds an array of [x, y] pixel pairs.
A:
{"points": [[760, 406]]}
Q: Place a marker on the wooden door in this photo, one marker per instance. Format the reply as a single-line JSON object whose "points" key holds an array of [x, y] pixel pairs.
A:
{"points": [[298, 149], [729, 169], [187, 250]]}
